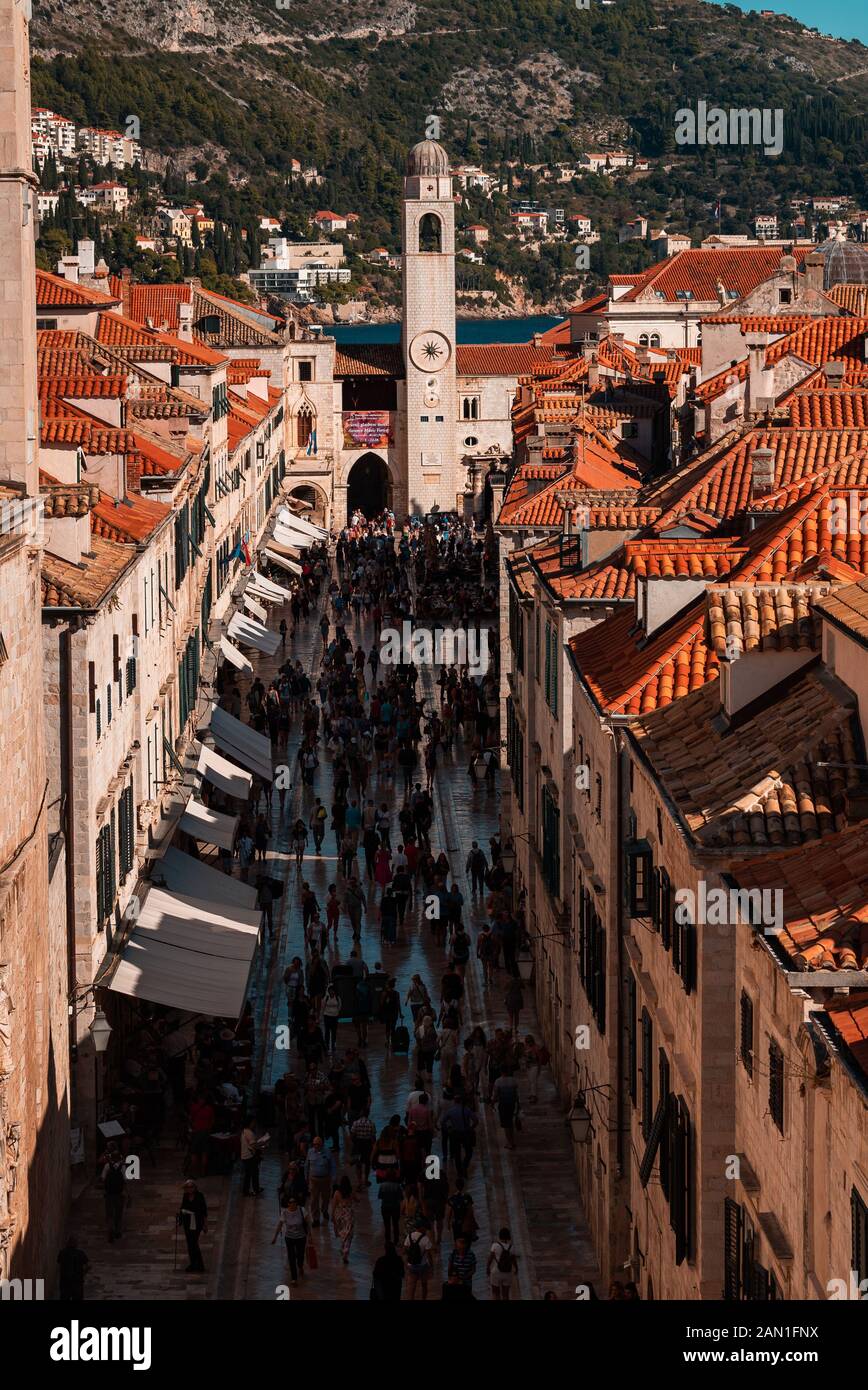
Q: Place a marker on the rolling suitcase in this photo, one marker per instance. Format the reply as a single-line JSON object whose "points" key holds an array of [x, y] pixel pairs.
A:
{"points": [[401, 1039]]}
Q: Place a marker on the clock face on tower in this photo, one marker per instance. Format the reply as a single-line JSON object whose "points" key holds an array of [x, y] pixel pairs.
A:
{"points": [[430, 351]]}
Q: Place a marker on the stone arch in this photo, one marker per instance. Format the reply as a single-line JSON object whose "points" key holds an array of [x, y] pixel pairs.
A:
{"points": [[310, 492], [369, 485], [431, 233]]}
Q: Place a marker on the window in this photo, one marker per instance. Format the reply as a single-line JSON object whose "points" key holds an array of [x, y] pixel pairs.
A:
{"points": [[537, 646], [108, 705], [647, 1074], [106, 883], [592, 958], [46, 323], [126, 831], [859, 1232], [424, 419], [515, 751], [666, 1134], [551, 829], [470, 408], [643, 339], [631, 1036], [745, 1048], [303, 427], [552, 655], [516, 630], [655, 340], [471, 441], [131, 674], [785, 296], [639, 878], [305, 370], [681, 1197], [684, 947], [776, 1084], [182, 546], [598, 801], [430, 233], [98, 719]]}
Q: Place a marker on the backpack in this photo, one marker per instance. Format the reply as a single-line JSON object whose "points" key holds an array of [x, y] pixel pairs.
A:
{"points": [[114, 1180], [415, 1253], [504, 1259]]}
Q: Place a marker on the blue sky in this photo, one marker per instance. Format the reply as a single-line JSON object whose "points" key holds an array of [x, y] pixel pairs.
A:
{"points": [[845, 19]]}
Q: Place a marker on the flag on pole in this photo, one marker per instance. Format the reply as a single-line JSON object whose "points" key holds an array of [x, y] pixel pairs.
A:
{"points": [[311, 443]]}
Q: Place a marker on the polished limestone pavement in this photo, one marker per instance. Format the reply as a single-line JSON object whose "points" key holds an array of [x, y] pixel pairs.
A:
{"points": [[533, 1190]]}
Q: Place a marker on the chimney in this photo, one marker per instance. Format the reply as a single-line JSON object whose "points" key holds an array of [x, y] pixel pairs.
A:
{"points": [[761, 379], [814, 268], [497, 483], [762, 475], [593, 373], [834, 373], [721, 294], [185, 322], [68, 267], [537, 340], [85, 251]]}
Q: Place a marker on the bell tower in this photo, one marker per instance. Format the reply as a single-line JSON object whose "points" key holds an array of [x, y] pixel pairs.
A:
{"points": [[428, 328]]}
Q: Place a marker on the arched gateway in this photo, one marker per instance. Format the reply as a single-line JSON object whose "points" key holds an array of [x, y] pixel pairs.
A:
{"points": [[369, 487]]}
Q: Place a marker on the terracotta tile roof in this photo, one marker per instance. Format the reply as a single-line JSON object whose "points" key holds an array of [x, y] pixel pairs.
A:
{"points": [[699, 270], [627, 674], [825, 899], [520, 571], [131, 521], [559, 333], [65, 585], [84, 387], [600, 468], [93, 436], [830, 409], [597, 304], [690, 357], [762, 323], [848, 608], [500, 359], [719, 483], [751, 618], [369, 359], [758, 784], [715, 385], [142, 344], [613, 579], [159, 303], [849, 1018], [823, 340], [853, 298], [54, 292]]}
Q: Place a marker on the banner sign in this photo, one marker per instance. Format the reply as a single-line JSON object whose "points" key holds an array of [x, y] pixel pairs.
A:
{"points": [[366, 429]]}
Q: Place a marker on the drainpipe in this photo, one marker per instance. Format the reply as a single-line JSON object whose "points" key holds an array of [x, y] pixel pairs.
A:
{"points": [[65, 683]]}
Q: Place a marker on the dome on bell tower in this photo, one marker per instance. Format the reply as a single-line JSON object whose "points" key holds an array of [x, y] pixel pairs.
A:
{"points": [[427, 159]]}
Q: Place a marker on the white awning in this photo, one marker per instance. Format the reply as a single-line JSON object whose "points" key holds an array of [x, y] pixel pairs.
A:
{"points": [[188, 954], [289, 550], [253, 607], [214, 827], [301, 523], [282, 561], [253, 634], [237, 658], [267, 587], [251, 749], [224, 775], [183, 874], [286, 535]]}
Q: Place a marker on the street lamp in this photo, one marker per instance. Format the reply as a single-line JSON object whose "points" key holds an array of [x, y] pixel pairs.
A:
{"points": [[579, 1119], [524, 960], [507, 858], [100, 1030]]}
